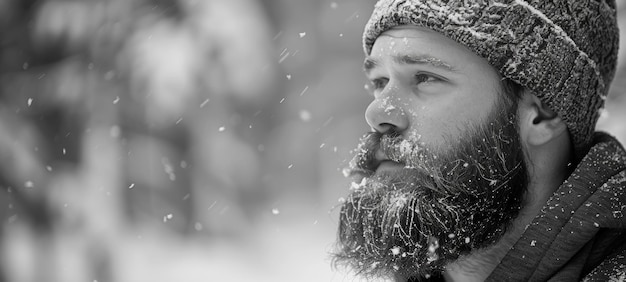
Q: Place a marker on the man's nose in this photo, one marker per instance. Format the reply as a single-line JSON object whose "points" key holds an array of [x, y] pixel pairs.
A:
{"points": [[385, 114]]}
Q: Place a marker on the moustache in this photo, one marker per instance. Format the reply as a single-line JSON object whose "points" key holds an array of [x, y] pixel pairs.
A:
{"points": [[375, 147]]}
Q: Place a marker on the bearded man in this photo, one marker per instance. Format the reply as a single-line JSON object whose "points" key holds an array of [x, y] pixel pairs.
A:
{"points": [[483, 163]]}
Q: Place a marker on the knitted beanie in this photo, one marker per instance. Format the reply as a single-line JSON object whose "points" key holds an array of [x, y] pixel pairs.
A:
{"points": [[564, 51]]}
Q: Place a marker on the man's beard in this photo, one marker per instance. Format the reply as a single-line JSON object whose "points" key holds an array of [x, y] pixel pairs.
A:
{"points": [[441, 205]]}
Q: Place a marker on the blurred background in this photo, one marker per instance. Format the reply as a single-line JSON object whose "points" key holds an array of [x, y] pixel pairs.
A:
{"points": [[182, 140]]}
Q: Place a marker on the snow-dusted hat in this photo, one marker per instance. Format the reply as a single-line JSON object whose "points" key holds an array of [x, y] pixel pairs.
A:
{"points": [[565, 51]]}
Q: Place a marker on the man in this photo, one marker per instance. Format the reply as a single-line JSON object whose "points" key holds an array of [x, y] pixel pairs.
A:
{"points": [[482, 163]]}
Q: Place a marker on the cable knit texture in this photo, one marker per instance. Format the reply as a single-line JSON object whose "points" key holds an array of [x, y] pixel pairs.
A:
{"points": [[565, 51]]}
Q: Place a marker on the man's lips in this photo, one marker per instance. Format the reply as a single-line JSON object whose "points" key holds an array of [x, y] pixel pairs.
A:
{"points": [[388, 165], [382, 163]]}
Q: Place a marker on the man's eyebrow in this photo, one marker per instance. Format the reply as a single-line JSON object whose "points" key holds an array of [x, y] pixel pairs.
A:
{"points": [[408, 59], [369, 64], [423, 59]]}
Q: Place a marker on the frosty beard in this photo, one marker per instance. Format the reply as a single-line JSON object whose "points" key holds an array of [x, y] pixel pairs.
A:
{"points": [[441, 205]]}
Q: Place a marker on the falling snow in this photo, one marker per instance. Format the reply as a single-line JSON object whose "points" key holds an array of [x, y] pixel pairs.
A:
{"points": [[305, 115], [304, 90], [109, 75], [204, 103], [283, 55], [168, 217], [213, 208]]}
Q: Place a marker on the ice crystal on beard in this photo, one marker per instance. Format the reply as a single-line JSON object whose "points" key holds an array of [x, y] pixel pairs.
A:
{"points": [[395, 250], [355, 186], [433, 245]]}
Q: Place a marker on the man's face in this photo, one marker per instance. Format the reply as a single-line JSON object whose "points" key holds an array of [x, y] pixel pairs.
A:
{"points": [[443, 172]]}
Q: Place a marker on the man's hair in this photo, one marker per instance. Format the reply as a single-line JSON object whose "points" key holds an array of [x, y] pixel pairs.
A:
{"points": [[512, 89], [563, 51]]}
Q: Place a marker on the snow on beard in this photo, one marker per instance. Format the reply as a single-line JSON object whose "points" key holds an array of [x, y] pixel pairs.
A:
{"points": [[441, 205]]}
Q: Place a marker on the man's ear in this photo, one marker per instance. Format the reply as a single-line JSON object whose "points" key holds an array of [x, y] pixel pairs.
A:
{"points": [[542, 124]]}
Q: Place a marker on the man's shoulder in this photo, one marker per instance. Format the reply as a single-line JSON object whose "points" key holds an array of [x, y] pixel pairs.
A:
{"points": [[609, 154], [612, 268], [608, 143], [606, 158]]}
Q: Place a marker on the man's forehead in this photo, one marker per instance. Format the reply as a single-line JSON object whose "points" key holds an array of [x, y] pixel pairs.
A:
{"points": [[410, 33], [401, 40], [417, 45], [412, 38]]}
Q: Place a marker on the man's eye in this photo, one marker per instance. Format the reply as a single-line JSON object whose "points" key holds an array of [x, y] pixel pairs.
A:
{"points": [[425, 78], [379, 83]]}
